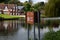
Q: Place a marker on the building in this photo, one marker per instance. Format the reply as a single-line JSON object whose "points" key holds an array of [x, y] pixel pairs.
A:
{"points": [[8, 9], [20, 10]]}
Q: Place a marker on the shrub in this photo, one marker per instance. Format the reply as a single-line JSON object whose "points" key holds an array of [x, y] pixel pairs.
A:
{"points": [[52, 35]]}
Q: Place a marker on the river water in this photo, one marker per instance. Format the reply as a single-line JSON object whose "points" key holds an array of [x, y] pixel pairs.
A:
{"points": [[16, 30]]}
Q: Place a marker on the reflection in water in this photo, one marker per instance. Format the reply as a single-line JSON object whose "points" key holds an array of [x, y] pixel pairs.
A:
{"points": [[1, 27], [12, 30], [7, 27], [17, 30], [47, 29]]}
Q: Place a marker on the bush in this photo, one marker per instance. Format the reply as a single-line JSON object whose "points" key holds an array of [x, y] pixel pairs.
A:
{"points": [[52, 35]]}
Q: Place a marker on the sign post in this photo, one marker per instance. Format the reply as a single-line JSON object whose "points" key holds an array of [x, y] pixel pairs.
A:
{"points": [[32, 18], [29, 20]]}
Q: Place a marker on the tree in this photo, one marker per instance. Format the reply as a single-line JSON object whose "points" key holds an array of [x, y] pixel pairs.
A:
{"points": [[2, 1], [39, 6], [27, 6], [52, 8], [9, 1], [13, 1], [6, 1], [19, 3]]}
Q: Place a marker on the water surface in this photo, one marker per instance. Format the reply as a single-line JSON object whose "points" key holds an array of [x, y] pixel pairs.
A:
{"points": [[16, 30]]}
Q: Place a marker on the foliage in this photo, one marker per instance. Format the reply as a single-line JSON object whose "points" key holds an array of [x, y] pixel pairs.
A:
{"points": [[52, 8], [12, 2], [39, 6], [19, 3], [7, 1], [1, 1], [16, 2], [28, 6], [52, 35]]}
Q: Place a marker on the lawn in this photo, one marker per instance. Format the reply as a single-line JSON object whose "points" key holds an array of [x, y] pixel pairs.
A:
{"points": [[6, 16]]}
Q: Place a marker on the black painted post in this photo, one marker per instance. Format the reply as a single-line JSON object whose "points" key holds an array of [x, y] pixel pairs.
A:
{"points": [[29, 25], [28, 31], [35, 21], [38, 13], [34, 32]]}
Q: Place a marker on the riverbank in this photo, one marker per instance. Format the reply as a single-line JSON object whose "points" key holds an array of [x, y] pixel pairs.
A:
{"points": [[8, 17]]}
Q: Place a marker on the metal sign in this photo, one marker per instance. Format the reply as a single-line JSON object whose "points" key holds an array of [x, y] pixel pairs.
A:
{"points": [[30, 17]]}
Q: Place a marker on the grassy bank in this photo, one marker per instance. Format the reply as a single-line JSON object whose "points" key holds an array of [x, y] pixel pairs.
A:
{"points": [[52, 35], [5, 16]]}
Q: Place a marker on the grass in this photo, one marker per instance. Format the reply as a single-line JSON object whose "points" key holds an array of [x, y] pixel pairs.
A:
{"points": [[6, 16]]}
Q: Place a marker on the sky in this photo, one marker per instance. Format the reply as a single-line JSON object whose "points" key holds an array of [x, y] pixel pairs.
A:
{"points": [[34, 1]]}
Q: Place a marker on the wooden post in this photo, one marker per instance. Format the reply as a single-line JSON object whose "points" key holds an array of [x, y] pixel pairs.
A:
{"points": [[15, 9], [2, 12], [12, 11]]}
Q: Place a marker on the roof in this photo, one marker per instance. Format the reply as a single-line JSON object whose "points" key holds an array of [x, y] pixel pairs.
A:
{"points": [[20, 7], [2, 6]]}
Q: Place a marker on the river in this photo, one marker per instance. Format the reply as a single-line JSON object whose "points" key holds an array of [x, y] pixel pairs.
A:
{"points": [[16, 30]]}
